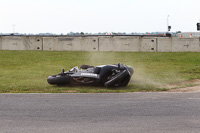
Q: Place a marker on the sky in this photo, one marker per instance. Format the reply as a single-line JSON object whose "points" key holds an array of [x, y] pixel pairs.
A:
{"points": [[93, 16]]}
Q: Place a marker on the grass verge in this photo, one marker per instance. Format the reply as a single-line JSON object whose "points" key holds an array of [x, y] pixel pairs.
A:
{"points": [[27, 71]]}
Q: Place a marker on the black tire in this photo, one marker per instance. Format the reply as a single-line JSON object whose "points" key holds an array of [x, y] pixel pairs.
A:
{"points": [[117, 78], [125, 81], [59, 80]]}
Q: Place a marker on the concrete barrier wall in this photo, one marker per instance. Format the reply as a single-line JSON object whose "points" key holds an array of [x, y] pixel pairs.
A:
{"points": [[148, 44], [1, 43], [70, 43], [185, 45], [130, 43], [164, 44], [101, 43], [119, 43], [20, 43]]}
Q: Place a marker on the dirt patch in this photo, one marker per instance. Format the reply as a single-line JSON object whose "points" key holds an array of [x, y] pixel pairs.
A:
{"points": [[185, 86], [187, 89]]}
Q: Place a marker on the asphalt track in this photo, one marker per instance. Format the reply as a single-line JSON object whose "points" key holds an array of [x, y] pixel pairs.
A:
{"points": [[100, 113]]}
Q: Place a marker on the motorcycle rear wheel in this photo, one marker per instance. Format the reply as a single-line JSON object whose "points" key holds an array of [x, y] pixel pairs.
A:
{"points": [[59, 80]]}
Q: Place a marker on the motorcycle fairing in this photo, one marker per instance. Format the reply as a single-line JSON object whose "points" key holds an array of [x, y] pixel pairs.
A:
{"points": [[86, 74]]}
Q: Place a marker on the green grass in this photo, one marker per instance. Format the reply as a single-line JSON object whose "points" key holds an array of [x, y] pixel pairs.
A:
{"points": [[27, 71]]}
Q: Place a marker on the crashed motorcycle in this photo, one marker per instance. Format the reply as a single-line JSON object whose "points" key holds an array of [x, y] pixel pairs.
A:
{"points": [[117, 75]]}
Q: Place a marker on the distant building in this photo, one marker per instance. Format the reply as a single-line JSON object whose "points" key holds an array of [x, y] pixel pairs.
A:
{"points": [[188, 34]]}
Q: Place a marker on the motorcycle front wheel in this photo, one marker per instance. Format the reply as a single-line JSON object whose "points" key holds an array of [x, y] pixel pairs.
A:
{"points": [[119, 80]]}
